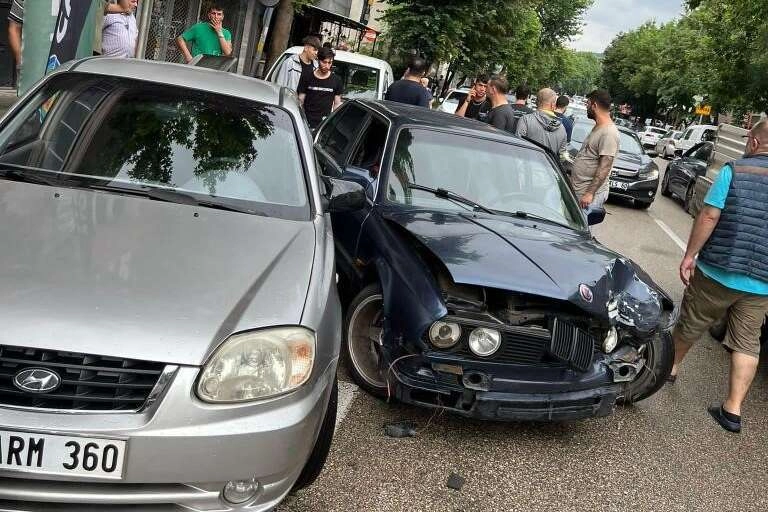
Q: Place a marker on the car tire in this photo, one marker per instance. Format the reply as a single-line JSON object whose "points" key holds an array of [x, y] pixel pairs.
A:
{"points": [[364, 317], [658, 365], [665, 184], [319, 454]]}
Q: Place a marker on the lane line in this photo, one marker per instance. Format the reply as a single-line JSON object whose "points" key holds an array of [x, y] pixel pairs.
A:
{"points": [[347, 393], [671, 234]]}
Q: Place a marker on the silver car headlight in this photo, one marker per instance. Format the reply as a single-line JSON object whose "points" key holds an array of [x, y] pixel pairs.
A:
{"points": [[258, 364], [649, 174]]}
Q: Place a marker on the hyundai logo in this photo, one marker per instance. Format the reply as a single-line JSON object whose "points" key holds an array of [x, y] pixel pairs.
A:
{"points": [[37, 380]]}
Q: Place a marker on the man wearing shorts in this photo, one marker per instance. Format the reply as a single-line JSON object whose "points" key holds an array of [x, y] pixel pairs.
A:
{"points": [[731, 275]]}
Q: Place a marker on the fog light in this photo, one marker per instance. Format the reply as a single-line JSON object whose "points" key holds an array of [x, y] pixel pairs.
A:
{"points": [[610, 341], [484, 341], [240, 491], [444, 334]]}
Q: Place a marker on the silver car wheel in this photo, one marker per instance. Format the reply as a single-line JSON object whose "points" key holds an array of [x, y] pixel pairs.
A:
{"points": [[363, 337]]}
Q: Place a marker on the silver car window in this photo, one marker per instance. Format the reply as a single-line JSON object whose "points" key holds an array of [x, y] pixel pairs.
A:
{"points": [[129, 133]]}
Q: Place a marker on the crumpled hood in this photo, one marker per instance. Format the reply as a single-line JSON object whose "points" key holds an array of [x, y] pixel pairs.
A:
{"points": [[550, 123], [124, 276], [516, 255]]}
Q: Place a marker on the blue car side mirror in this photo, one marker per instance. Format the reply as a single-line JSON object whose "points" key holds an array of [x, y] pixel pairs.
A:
{"points": [[344, 195]]}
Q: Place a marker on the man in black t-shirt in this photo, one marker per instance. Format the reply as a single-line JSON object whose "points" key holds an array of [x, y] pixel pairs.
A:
{"points": [[476, 105], [502, 115], [409, 89], [320, 91]]}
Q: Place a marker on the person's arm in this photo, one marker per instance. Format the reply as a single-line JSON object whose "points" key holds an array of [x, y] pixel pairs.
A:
{"points": [[336, 102], [462, 110], [302, 97], [705, 224], [604, 165], [522, 126], [424, 100], [182, 44], [14, 40], [301, 89], [224, 38]]}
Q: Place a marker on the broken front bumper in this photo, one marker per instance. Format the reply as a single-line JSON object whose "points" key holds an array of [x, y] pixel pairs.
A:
{"points": [[507, 392]]}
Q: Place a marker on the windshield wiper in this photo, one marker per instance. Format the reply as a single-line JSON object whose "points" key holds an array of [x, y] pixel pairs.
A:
{"points": [[447, 194], [29, 175], [532, 216], [174, 196]]}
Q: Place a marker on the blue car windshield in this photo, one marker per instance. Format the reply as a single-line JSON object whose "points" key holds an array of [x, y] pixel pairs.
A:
{"points": [[499, 176], [141, 137]]}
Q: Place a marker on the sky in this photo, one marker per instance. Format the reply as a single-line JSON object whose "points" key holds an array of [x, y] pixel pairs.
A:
{"points": [[607, 18]]}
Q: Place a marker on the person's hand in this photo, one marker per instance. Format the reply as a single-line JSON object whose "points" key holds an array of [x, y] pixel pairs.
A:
{"points": [[216, 25], [687, 267], [586, 199], [472, 94]]}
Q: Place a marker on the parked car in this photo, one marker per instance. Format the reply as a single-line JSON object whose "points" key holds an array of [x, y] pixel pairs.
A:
{"points": [[730, 143], [695, 134], [453, 99], [650, 136], [635, 176], [576, 110], [171, 324], [666, 147], [470, 279], [681, 173], [362, 76]]}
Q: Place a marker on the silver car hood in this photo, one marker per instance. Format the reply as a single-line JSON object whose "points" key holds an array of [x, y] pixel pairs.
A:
{"points": [[101, 273]]}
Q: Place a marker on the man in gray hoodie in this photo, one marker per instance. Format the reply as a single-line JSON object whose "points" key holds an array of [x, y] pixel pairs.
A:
{"points": [[544, 126]]}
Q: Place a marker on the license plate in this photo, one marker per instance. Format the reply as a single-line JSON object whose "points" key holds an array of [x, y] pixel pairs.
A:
{"points": [[49, 454], [618, 184]]}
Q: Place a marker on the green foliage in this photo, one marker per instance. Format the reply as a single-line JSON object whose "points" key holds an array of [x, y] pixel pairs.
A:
{"points": [[581, 72], [524, 38], [718, 49]]}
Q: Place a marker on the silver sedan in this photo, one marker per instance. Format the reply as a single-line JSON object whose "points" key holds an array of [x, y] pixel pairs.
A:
{"points": [[170, 317]]}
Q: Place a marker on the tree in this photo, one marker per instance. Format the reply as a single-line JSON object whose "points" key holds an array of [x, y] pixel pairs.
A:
{"points": [[524, 38], [582, 72]]}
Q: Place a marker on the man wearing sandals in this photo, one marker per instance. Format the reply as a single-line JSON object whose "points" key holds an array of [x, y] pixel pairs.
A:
{"points": [[731, 274]]}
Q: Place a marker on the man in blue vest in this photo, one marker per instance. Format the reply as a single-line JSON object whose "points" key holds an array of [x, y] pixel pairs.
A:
{"points": [[731, 275]]}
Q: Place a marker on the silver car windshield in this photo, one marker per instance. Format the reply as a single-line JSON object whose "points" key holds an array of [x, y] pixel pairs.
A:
{"points": [[133, 136], [502, 177]]}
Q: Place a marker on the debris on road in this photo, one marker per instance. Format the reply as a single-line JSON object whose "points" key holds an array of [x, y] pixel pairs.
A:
{"points": [[455, 481], [400, 429]]}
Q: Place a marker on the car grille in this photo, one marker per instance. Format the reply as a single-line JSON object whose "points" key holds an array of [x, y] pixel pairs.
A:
{"points": [[518, 346], [572, 345], [88, 382]]}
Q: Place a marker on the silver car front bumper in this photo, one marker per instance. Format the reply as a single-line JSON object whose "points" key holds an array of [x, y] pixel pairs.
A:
{"points": [[180, 452]]}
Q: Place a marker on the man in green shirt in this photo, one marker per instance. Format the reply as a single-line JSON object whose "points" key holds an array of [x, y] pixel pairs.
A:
{"points": [[207, 38]]}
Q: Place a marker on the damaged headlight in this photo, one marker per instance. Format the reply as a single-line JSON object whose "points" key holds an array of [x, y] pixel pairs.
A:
{"points": [[444, 334], [610, 341], [484, 342]]}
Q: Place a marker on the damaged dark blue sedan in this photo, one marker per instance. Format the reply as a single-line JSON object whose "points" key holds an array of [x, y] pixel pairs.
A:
{"points": [[471, 280]]}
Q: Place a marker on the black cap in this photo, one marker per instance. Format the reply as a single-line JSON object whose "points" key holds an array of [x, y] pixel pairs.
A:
{"points": [[601, 97]]}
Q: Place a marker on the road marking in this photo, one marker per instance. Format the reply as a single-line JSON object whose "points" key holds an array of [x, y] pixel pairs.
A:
{"points": [[347, 392], [671, 234]]}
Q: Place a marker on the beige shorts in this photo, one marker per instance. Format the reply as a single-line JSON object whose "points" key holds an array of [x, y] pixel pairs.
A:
{"points": [[706, 301]]}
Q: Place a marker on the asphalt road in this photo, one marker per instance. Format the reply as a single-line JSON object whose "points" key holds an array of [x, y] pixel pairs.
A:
{"points": [[661, 454]]}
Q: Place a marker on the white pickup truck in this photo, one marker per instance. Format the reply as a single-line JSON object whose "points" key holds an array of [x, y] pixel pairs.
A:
{"points": [[730, 145]]}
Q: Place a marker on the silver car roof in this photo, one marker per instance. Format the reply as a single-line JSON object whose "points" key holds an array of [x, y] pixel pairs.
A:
{"points": [[183, 75]]}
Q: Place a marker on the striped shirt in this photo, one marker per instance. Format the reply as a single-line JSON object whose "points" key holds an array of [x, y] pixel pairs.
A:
{"points": [[118, 35], [17, 12]]}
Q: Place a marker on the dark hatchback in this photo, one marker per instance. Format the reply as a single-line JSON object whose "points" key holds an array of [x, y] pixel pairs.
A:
{"points": [[680, 176], [635, 176], [471, 281]]}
